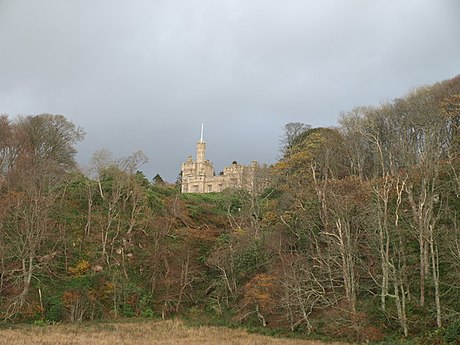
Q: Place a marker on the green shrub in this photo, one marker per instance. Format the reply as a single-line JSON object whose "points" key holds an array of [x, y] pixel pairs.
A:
{"points": [[148, 313], [127, 311], [39, 323], [54, 309], [452, 333]]}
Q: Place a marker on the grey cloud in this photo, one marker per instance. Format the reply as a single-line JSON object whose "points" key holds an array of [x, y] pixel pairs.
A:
{"points": [[145, 74]]}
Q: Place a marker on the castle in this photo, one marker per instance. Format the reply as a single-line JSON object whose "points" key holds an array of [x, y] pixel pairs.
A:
{"points": [[199, 176]]}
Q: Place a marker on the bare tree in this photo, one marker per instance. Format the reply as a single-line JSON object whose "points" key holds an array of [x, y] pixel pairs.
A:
{"points": [[292, 134]]}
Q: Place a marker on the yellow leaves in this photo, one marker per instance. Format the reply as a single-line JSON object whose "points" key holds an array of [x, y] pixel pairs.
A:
{"points": [[297, 163], [280, 166], [239, 231], [80, 268], [321, 148], [287, 217], [104, 292], [270, 217]]}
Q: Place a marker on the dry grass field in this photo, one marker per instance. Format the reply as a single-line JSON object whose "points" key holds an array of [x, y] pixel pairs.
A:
{"points": [[142, 333]]}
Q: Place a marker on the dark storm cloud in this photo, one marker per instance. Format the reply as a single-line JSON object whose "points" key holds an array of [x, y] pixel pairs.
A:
{"points": [[145, 74]]}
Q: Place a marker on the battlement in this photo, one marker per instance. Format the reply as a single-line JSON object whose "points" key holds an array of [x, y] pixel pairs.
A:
{"points": [[199, 176]]}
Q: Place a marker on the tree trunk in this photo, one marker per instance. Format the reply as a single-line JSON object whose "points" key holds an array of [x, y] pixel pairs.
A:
{"points": [[435, 267], [27, 269]]}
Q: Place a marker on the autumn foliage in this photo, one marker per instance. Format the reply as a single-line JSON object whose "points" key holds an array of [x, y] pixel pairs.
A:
{"points": [[357, 235]]}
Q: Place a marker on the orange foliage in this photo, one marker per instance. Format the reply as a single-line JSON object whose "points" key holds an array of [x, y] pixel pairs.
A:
{"points": [[70, 297], [260, 291]]}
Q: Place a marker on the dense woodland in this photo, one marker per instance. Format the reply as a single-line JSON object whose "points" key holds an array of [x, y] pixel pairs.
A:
{"points": [[354, 232]]}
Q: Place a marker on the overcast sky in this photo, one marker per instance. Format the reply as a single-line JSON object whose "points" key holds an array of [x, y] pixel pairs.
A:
{"points": [[144, 75]]}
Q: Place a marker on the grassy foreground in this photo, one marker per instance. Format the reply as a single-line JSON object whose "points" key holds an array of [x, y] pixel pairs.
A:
{"points": [[154, 332]]}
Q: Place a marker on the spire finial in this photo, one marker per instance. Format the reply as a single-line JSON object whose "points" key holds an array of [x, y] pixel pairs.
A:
{"points": [[202, 129]]}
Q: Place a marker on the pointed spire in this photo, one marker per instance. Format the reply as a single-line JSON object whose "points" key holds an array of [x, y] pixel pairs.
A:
{"points": [[201, 148]]}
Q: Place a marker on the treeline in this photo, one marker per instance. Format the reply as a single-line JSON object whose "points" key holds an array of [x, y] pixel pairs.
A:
{"points": [[357, 233], [373, 211]]}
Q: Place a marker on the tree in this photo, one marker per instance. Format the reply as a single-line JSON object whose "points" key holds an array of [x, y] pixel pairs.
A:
{"points": [[291, 135], [37, 153], [403, 146], [8, 149], [157, 180], [120, 192]]}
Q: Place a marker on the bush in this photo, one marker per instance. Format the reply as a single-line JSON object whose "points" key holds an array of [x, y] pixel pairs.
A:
{"points": [[148, 313], [39, 323], [54, 309], [452, 333]]}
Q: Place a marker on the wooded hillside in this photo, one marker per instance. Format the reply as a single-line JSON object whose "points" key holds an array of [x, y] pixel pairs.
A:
{"points": [[357, 235]]}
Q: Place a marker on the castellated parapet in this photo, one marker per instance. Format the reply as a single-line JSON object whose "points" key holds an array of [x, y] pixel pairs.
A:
{"points": [[199, 176]]}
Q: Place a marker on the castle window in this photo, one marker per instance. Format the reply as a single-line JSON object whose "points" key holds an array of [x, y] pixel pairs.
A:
{"points": [[195, 188], [209, 188]]}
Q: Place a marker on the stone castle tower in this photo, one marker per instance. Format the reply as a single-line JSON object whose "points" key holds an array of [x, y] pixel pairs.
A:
{"points": [[199, 176]]}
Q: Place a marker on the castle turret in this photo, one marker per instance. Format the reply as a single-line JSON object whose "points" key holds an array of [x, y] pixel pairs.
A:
{"points": [[199, 176], [201, 149]]}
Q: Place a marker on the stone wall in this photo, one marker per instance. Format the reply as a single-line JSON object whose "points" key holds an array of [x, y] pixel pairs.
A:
{"points": [[199, 176]]}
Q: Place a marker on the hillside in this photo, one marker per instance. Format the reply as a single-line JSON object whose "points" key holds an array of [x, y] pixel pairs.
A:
{"points": [[357, 236]]}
